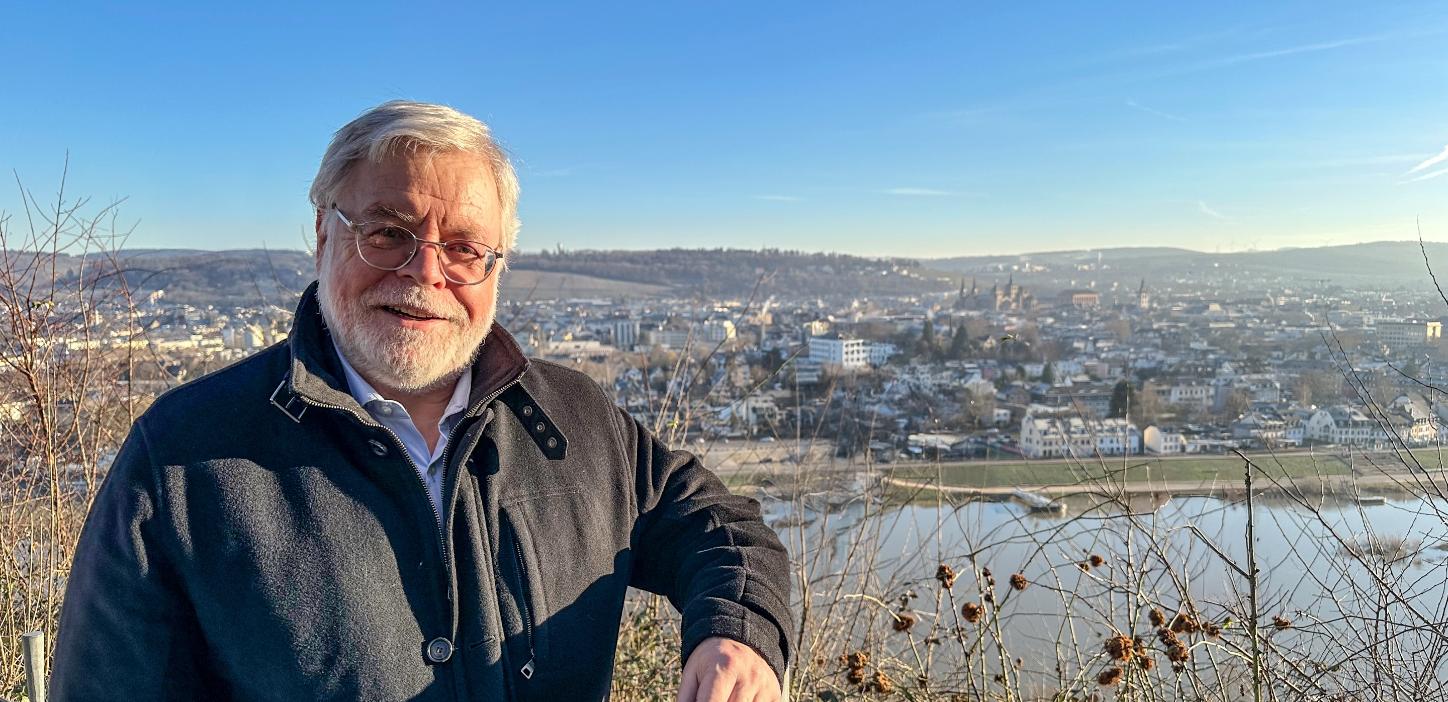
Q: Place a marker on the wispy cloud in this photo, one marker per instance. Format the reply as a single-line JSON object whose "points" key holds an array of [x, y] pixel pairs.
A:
{"points": [[1153, 111], [1429, 163], [1206, 209], [1254, 56], [1295, 50], [918, 192], [777, 198], [1428, 176]]}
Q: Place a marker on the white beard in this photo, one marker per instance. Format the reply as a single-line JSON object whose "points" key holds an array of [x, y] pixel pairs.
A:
{"points": [[410, 361]]}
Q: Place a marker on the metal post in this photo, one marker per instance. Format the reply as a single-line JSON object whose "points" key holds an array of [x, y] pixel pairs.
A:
{"points": [[34, 652]]}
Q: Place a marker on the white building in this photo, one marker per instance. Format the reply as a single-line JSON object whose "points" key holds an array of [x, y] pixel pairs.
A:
{"points": [[718, 330], [1165, 442], [1193, 395], [625, 334], [1407, 335], [1402, 421], [669, 338], [880, 352], [1053, 434], [836, 350], [1343, 425]]}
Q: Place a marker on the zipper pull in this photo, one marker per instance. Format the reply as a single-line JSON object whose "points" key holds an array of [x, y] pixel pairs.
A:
{"points": [[528, 670]]}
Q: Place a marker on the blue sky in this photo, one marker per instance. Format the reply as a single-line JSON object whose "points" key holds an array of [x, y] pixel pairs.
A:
{"points": [[907, 129]]}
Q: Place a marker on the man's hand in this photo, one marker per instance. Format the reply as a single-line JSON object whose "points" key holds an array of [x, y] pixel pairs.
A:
{"points": [[724, 670]]}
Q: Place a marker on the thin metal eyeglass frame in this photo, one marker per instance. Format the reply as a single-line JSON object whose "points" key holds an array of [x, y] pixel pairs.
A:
{"points": [[417, 243]]}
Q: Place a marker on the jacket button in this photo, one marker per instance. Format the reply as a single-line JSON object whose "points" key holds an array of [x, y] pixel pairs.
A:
{"points": [[377, 447], [552, 442], [527, 410], [439, 650], [540, 427]]}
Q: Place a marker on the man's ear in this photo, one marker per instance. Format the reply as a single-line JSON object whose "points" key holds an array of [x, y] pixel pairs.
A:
{"points": [[321, 239]]}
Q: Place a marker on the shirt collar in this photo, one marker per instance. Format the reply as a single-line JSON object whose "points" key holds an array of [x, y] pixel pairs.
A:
{"points": [[364, 393]]}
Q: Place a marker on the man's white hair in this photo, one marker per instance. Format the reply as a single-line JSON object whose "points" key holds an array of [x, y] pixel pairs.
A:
{"points": [[406, 126]]}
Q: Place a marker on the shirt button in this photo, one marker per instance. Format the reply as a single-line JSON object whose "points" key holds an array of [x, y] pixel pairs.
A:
{"points": [[386, 410], [439, 650], [377, 447]]}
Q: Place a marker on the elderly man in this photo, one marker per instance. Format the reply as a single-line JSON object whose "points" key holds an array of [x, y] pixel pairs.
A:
{"points": [[395, 503]]}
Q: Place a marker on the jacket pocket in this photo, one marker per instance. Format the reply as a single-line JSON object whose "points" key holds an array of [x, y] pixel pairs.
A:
{"points": [[515, 555]]}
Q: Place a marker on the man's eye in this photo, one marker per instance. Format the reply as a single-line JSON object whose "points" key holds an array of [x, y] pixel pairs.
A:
{"points": [[388, 238], [463, 252]]}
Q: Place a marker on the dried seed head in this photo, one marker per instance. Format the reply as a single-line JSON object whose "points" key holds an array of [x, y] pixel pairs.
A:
{"points": [[1177, 653], [1156, 617], [1018, 581], [1167, 638], [1000, 678], [972, 612], [903, 621], [1020, 664], [856, 676], [985, 572], [988, 596], [858, 659], [1120, 648], [1084, 566], [1146, 662], [1281, 622], [1097, 561], [882, 683], [1109, 677], [1184, 623], [1212, 630], [946, 575]]}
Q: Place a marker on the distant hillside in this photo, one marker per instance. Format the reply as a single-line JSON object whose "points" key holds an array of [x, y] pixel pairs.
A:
{"points": [[735, 272], [249, 277], [221, 278], [1387, 260], [1386, 264]]}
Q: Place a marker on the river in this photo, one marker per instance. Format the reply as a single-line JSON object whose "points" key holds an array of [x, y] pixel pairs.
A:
{"points": [[1320, 607]]}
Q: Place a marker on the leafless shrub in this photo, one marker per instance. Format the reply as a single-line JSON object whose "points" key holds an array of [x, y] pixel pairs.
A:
{"points": [[66, 333]]}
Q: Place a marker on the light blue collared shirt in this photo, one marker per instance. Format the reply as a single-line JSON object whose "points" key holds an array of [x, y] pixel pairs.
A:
{"points": [[391, 414]]}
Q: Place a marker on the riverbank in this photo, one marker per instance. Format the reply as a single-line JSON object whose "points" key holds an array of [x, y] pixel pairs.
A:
{"points": [[1316, 470]]}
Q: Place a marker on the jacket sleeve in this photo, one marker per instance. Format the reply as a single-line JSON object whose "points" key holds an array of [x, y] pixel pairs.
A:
{"points": [[126, 629], [707, 550]]}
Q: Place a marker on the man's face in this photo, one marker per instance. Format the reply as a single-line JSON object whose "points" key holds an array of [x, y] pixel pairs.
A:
{"points": [[410, 330]]}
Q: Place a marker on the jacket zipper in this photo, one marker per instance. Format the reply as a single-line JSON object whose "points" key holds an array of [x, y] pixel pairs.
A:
{"points": [[523, 606]]}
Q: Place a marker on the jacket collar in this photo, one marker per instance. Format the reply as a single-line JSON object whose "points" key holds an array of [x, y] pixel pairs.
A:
{"points": [[316, 372]]}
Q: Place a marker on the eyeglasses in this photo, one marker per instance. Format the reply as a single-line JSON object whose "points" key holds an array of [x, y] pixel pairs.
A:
{"points": [[389, 247]]}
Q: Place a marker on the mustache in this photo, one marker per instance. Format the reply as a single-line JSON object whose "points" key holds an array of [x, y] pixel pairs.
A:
{"points": [[412, 299]]}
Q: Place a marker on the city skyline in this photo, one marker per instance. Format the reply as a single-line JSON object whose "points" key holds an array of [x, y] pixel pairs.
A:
{"points": [[931, 131]]}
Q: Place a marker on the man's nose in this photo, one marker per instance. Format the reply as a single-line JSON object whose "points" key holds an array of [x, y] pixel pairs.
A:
{"points": [[425, 268]]}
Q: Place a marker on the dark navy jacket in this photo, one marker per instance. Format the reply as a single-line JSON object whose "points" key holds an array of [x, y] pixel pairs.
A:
{"points": [[260, 537]]}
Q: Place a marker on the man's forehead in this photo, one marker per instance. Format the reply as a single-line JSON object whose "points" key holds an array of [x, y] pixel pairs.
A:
{"points": [[458, 187]]}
